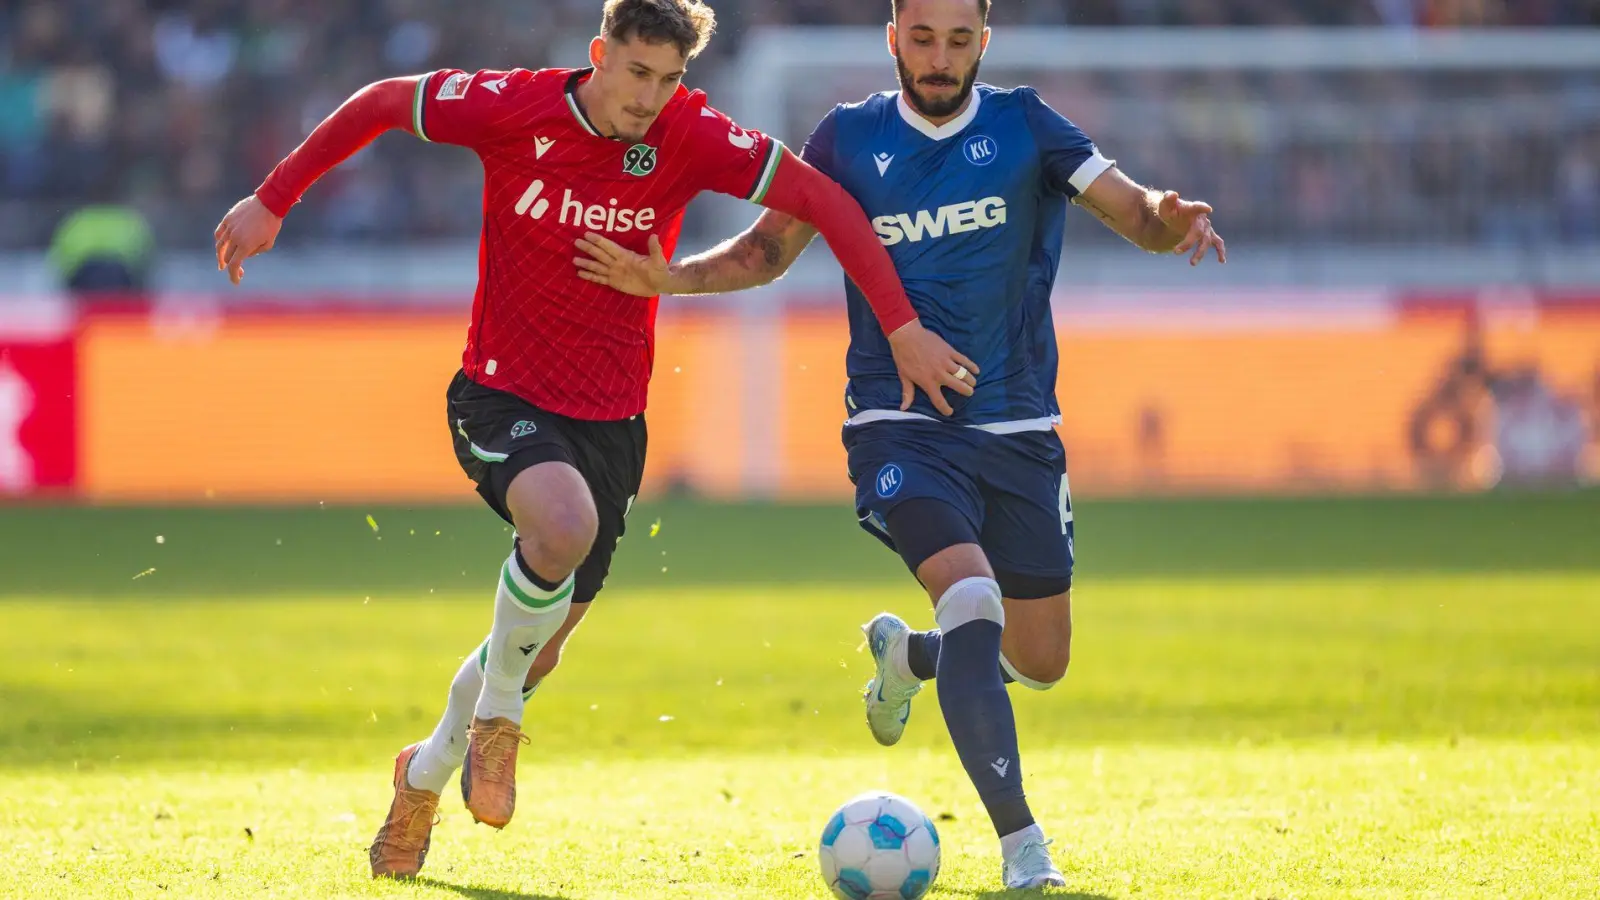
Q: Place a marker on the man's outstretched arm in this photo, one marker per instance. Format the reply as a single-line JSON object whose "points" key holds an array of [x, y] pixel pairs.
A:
{"points": [[1155, 221], [252, 225]]}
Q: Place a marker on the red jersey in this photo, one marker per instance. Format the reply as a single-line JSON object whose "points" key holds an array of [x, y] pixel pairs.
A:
{"points": [[539, 331]]}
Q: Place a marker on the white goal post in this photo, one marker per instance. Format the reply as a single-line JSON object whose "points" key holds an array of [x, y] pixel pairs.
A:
{"points": [[770, 60]]}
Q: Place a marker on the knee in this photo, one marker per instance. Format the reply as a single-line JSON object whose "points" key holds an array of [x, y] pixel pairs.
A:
{"points": [[559, 538], [566, 538], [1037, 645], [1039, 671], [555, 516]]}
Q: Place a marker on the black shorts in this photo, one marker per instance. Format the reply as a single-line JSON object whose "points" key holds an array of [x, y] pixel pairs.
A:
{"points": [[497, 435]]}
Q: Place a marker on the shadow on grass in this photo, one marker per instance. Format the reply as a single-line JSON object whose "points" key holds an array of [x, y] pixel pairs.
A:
{"points": [[485, 893], [1024, 894]]}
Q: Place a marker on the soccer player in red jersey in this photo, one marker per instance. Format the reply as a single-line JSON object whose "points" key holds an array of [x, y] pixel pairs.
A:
{"points": [[547, 410]]}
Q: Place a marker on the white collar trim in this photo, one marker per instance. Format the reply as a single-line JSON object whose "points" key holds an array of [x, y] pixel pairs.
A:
{"points": [[938, 132]]}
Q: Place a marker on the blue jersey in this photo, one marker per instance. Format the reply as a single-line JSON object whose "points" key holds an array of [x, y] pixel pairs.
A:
{"points": [[972, 214]]}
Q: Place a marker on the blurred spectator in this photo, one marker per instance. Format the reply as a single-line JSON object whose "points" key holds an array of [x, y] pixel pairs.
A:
{"points": [[1578, 186], [104, 249], [188, 103]]}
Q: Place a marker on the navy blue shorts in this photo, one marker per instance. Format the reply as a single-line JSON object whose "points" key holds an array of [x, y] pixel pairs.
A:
{"points": [[1012, 488]]}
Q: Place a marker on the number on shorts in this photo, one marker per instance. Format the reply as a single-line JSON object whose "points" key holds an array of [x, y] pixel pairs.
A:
{"points": [[1065, 501]]}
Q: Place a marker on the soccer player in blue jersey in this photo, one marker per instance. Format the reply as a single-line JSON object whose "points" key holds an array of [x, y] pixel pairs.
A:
{"points": [[967, 186]]}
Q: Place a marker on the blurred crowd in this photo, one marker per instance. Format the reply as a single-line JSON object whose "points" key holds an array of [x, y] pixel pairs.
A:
{"points": [[1389, 158], [1398, 13], [178, 107]]}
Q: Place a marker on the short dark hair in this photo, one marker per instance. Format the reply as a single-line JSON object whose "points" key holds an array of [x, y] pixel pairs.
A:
{"points": [[687, 24], [983, 9]]}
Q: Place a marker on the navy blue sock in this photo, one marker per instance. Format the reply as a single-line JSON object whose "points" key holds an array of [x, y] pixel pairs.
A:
{"points": [[977, 709], [922, 655]]}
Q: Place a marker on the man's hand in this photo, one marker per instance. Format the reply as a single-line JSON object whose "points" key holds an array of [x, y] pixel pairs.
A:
{"points": [[249, 228], [1192, 220], [617, 267], [927, 362]]}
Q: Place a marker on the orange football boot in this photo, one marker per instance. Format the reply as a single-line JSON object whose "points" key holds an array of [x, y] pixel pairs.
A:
{"points": [[402, 842], [489, 772]]}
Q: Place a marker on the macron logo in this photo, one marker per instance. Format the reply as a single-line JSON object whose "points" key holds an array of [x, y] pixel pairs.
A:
{"points": [[575, 212], [540, 145], [954, 219], [883, 160], [1001, 766]]}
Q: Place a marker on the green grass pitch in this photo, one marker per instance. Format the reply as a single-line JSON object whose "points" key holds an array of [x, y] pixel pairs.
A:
{"points": [[1286, 699]]}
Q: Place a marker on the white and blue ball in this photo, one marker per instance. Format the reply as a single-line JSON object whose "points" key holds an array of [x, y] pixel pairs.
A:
{"points": [[879, 846]]}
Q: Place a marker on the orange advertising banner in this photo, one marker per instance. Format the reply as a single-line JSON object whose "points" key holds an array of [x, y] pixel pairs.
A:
{"points": [[301, 407], [262, 408], [1369, 399], [294, 407]]}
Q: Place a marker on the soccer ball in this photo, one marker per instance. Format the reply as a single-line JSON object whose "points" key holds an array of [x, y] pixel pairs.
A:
{"points": [[879, 846]]}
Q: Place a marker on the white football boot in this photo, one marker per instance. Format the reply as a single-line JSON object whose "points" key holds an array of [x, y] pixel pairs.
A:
{"points": [[1030, 866], [889, 693]]}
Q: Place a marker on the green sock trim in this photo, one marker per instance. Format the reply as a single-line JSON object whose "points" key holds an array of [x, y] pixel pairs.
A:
{"points": [[528, 600]]}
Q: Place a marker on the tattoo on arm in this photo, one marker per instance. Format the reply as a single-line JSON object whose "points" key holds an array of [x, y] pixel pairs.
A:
{"points": [[1136, 231], [771, 248], [753, 258], [1091, 206]]}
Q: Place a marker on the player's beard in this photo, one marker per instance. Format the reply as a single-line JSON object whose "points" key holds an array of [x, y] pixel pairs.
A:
{"points": [[627, 136], [930, 107], [632, 133]]}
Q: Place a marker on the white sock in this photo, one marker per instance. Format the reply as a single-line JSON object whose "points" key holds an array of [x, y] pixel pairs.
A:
{"points": [[440, 755], [525, 618], [898, 661], [1010, 843]]}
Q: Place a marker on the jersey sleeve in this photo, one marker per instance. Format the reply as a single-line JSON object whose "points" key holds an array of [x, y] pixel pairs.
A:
{"points": [[733, 160], [1071, 162], [818, 152], [469, 109]]}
